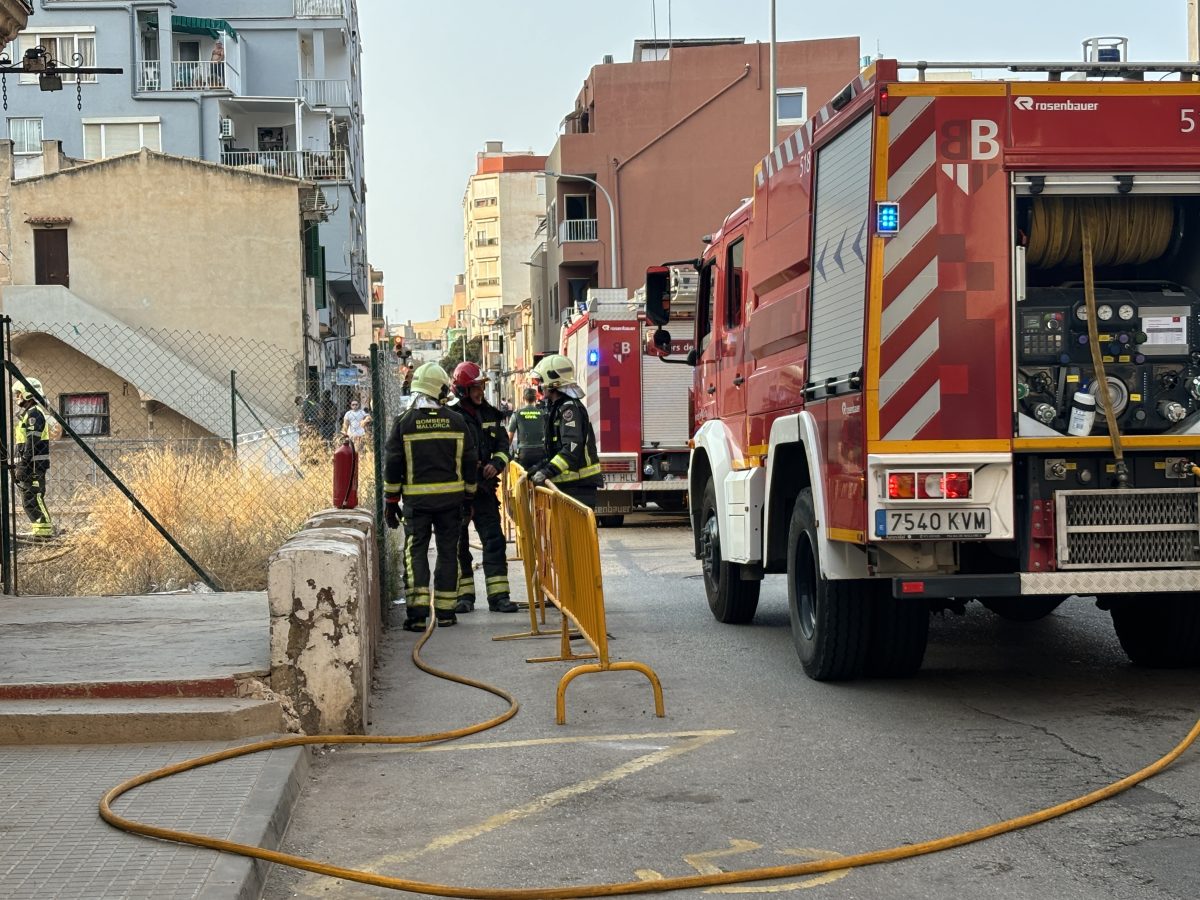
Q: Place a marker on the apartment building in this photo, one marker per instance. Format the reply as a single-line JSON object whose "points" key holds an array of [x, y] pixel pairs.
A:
{"points": [[271, 87], [503, 202], [672, 137]]}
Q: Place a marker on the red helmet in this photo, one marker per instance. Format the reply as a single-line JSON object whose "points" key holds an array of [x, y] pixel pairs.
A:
{"points": [[467, 374]]}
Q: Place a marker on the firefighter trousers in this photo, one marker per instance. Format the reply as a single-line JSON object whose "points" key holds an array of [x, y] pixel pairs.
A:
{"points": [[419, 526], [486, 515], [32, 487]]}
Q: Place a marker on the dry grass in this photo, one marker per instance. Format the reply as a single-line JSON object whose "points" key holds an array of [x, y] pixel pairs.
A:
{"points": [[229, 516]]}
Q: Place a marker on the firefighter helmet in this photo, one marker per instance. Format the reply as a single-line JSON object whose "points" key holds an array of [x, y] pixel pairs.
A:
{"points": [[554, 371], [431, 380], [468, 373], [19, 389]]}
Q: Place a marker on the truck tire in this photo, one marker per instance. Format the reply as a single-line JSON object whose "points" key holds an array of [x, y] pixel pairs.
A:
{"points": [[732, 600], [1022, 609], [1159, 631], [899, 634], [831, 620]]}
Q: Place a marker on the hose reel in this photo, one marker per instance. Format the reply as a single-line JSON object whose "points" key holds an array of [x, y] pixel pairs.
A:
{"points": [[1126, 230]]}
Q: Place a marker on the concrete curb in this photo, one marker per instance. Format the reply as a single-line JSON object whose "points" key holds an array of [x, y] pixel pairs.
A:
{"points": [[121, 690]]}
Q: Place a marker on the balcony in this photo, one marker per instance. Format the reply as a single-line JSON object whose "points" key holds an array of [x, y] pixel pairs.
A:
{"points": [[323, 92], [487, 242], [574, 231], [315, 165], [320, 9], [189, 76]]}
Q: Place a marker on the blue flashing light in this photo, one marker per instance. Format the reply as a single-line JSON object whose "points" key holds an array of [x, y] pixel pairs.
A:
{"points": [[593, 357], [887, 218]]}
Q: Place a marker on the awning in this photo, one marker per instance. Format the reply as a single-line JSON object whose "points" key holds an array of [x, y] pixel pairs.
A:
{"points": [[213, 28]]}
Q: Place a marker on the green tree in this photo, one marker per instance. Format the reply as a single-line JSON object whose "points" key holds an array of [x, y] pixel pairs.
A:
{"points": [[454, 353]]}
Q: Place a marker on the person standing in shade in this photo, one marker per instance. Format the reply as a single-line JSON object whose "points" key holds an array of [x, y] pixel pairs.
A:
{"points": [[527, 432], [430, 462], [355, 424], [31, 439], [573, 465], [488, 424]]}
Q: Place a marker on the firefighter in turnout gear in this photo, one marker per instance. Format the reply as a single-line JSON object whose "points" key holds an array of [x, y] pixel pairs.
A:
{"points": [[430, 462], [573, 464], [31, 438], [488, 424]]}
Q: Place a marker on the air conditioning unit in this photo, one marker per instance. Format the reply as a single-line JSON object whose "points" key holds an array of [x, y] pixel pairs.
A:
{"points": [[227, 129]]}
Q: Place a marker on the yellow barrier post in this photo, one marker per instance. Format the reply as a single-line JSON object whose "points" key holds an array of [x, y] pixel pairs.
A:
{"points": [[518, 501], [507, 521], [568, 565]]}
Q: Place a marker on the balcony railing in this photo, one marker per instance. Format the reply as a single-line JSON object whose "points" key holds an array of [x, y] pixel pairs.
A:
{"points": [[323, 91], [315, 165], [576, 230], [202, 76], [321, 9], [487, 241], [149, 75]]}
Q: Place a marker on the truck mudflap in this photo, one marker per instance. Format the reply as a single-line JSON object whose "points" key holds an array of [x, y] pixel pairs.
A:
{"points": [[1085, 584]]}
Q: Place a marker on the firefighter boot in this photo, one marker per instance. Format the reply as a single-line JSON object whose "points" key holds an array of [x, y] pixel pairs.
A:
{"points": [[416, 618], [501, 603], [446, 618]]}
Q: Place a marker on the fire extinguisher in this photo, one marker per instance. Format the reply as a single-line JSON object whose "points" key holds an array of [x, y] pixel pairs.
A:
{"points": [[345, 477]]}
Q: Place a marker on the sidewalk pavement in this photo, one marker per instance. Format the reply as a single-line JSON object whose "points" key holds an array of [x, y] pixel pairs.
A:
{"points": [[169, 654]]}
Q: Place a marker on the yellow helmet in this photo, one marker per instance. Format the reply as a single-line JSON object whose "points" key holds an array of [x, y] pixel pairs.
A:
{"points": [[19, 390], [555, 370], [431, 380]]}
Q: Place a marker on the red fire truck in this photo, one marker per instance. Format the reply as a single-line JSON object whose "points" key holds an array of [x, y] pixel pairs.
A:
{"points": [[640, 408], [950, 350]]}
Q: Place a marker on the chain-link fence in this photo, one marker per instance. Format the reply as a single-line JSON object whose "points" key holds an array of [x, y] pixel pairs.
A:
{"points": [[223, 440], [389, 398]]}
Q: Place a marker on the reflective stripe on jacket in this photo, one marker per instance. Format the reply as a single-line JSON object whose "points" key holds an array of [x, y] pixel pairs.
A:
{"points": [[430, 458], [492, 439], [571, 443], [31, 434]]}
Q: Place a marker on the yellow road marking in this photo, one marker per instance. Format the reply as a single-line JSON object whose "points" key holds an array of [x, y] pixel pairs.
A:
{"points": [[692, 740], [704, 865]]}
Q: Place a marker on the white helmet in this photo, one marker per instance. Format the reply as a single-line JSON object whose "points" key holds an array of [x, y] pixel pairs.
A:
{"points": [[19, 390], [555, 370]]}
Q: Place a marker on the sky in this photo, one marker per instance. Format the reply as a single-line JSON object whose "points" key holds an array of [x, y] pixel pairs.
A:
{"points": [[440, 79]]}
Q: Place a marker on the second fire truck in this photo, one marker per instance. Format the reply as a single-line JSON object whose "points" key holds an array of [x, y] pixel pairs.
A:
{"points": [[950, 350]]}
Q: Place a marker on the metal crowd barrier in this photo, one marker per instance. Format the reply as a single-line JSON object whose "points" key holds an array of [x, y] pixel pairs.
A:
{"points": [[517, 502], [567, 553]]}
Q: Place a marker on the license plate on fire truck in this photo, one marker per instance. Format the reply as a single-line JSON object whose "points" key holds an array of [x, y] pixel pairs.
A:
{"points": [[620, 477], [933, 523]]}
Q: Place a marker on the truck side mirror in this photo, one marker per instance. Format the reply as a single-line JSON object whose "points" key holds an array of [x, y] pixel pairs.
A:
{"points": [[658, 295], [662, 340]]}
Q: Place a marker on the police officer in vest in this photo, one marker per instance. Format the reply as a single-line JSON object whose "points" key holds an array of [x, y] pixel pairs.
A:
{"points": [[488, 424], [573, 464], [429, 462], [31, 436], [527, 432]]}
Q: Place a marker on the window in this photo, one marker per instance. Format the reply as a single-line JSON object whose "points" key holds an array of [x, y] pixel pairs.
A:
{"points": [[790, 106], [734, 283], [62, 45], [103, 138], [87, 414], [539, 184], [704, 308], [486, 191], [487, 233], [486, 272], [26, 135], [578, 206]]}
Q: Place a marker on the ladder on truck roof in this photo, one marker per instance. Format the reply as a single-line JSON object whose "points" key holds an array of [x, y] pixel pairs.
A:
{"points": [[1055, 70]]}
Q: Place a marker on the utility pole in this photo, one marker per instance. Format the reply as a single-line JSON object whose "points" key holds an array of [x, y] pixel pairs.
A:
{"points": [[1193, 31], [772, 86]]}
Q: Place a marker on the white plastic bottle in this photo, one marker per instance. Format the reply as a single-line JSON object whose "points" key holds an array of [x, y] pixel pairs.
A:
{"points": [[1083, 414]]}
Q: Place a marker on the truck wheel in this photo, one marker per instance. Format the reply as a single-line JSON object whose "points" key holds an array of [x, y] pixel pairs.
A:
{"points": [[830, 619], [1159, 631], [610, 521], [732, 600], [899, 633], [1022, 609]]}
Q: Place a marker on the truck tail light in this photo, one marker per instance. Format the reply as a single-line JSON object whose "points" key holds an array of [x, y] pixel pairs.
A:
{"points": [[902, 485], [957, 485]]}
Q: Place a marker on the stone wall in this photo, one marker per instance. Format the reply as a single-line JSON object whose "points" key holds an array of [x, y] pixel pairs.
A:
{"points": [[323, 587]]}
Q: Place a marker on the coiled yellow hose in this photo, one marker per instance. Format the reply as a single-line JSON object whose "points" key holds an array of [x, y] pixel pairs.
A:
{"points": [[613, 889], [1125, 230]]}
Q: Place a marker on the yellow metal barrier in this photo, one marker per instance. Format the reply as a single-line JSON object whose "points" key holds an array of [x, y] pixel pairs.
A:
{"points": [[507, 520], [518, 505], [568, 572]]}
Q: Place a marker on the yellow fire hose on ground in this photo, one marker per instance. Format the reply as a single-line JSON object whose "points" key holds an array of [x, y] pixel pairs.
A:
{"points": [[1081, 229], [614, 889]]}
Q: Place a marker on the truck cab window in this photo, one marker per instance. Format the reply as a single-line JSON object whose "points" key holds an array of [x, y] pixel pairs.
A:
{"points": [[734, 284], [704, 307]]}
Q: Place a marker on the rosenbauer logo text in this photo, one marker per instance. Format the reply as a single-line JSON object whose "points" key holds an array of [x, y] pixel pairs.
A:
{"points": [[1027, 103]]}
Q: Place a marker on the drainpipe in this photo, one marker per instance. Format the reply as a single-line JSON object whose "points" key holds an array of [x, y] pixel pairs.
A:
{"points": [[654, 140]]}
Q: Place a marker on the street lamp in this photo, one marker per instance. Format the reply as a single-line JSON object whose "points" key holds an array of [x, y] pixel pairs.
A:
{"points": [[612, 222]]}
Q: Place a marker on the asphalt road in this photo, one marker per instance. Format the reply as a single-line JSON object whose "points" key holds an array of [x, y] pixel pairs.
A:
{"points": [[756, 765]]}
